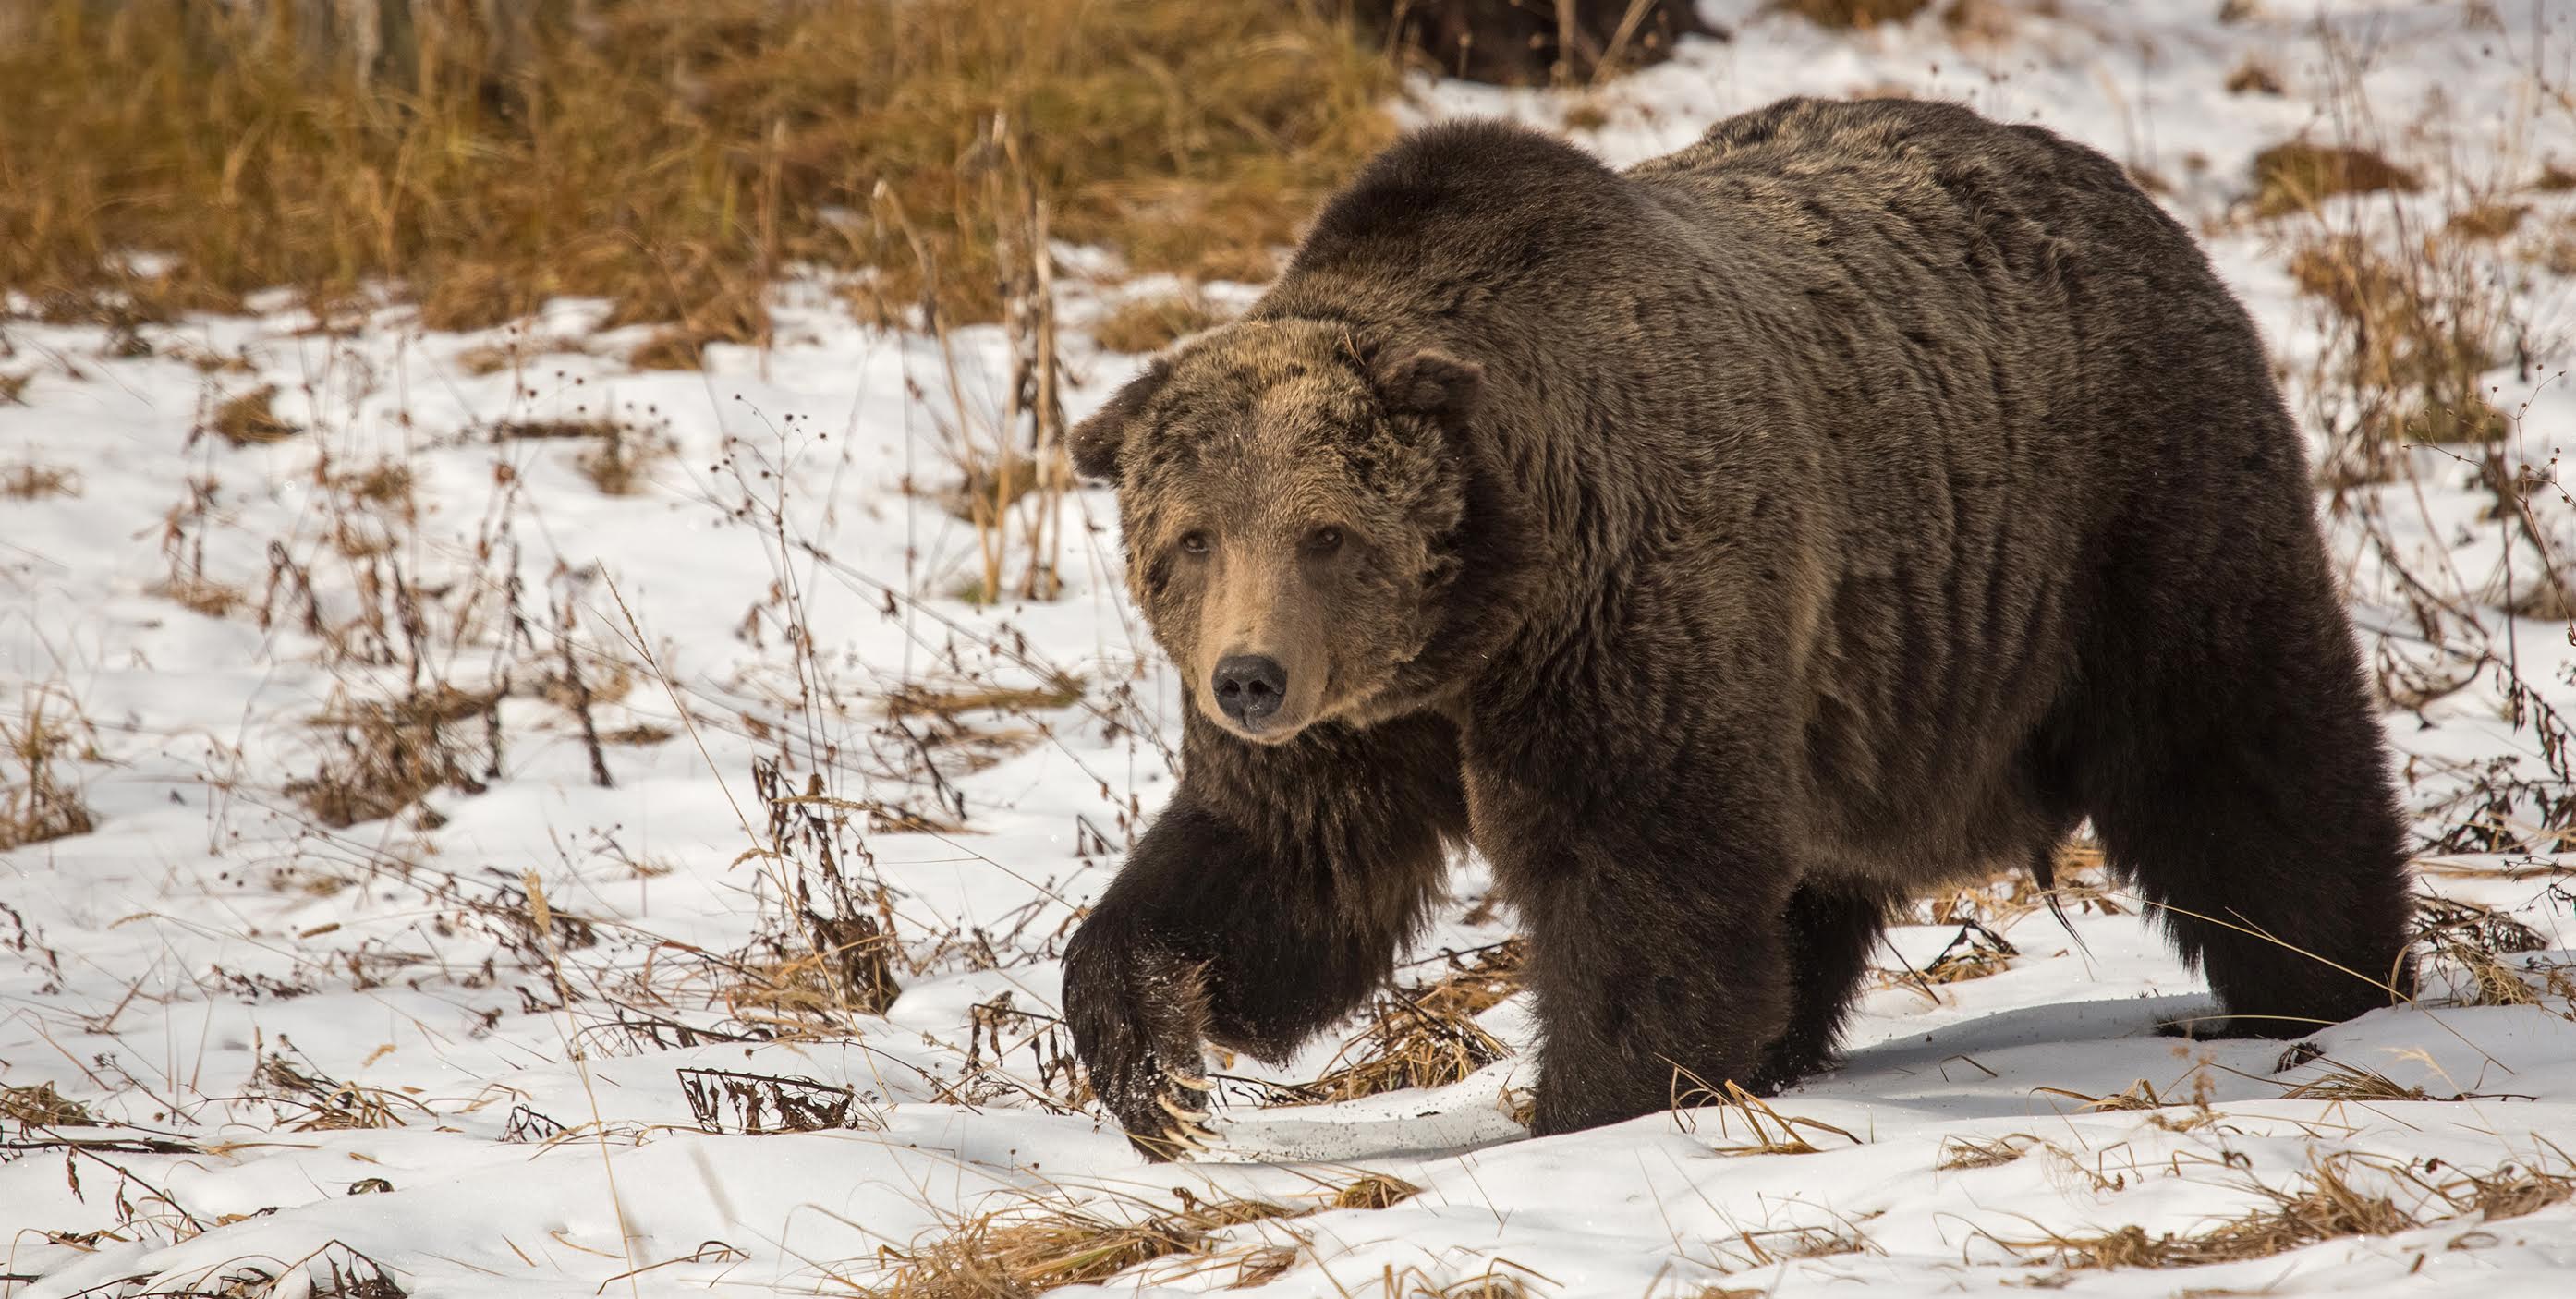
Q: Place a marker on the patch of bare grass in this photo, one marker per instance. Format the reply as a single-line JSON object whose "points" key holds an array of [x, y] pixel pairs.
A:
{"points": [[513, 352], [2343, 1082], [1043, 1244], [1850, 13], [2297, 175], [386, 756], [29, 481], [2477, 940], [1423, 1036], [42, 1107], [2408, 341], [1960, 1153], [2486, 221], [1406, 1044], [669, 155], [1151, 323], [2325, 1205], [40, 802], [249, 419], [2255, 76], [285, 1077]]}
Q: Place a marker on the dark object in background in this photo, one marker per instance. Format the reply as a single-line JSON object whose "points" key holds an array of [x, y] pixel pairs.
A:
{"points": [[1522, 42]]}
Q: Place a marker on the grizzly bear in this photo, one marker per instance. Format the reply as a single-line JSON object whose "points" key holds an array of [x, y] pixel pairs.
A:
{"points": [[1857, 499]]}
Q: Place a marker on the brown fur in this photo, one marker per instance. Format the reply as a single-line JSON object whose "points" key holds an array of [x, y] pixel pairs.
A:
{"points": [[1853, 500]]}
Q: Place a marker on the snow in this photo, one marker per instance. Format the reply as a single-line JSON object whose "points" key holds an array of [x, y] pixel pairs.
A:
{"points": [[208, 924]]}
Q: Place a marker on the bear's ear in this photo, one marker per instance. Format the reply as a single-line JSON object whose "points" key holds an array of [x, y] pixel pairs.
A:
{"points": [[1428, 381], [1095, 441]]}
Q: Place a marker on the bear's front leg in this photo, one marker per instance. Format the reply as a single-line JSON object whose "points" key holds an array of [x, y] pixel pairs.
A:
{"points": [[1651, 992], [1268, 900], [1653, 891]]}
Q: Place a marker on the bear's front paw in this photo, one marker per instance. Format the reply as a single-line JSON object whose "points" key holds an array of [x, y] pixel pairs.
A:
{"points": [[1139, 1020]]}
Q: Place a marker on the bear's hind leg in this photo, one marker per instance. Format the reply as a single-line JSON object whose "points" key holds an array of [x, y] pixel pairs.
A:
{"points": [[1830, 931], [2247, 798]]}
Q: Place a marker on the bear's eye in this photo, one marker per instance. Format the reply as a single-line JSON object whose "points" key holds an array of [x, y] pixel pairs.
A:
{"points": [[1323, 541], [1194, 543]]}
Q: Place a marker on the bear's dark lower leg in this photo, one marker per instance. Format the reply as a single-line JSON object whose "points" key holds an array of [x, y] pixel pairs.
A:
{"points": [[2254, 813], [1829, 933], [1649, 993]]}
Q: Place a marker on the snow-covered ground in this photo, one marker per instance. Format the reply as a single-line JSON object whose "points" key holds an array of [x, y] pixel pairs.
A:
{"points": [[456, 1044]]}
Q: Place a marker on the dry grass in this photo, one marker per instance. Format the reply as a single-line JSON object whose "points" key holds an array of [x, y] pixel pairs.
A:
{"points": [[30, 481], [513, 353], [1151, 323], [1044, 1243], [1375, 1191], [389, 755], [1424, 1036], [1406, 1044], [1850, 13], [2476, 940], [621, 464], [2344, 1082], [1769, 1131], [39, 803], [13, 388], [1959, 1153], [2409, 339], [670, 155], [42, 1106], [249, 420], [329, 1105], [2296, 176], [2255, 76], [2325, 1206], [2486, 221], [1976, 953], [924, 699]]}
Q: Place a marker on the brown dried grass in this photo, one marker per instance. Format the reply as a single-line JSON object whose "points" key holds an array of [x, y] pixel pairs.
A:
{"points": [[42, 1106], [2296, 175], [1424, 1036], [1850, 13], [39, 803], [670, 155], [390, 754], [2477, 940], [248, 419], [1049, 1240], [30, 481], [2324, 1206], [1958, 1153], [1149, 324]]}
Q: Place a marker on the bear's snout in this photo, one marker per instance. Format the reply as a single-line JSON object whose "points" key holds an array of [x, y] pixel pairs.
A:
{"points": [[1249, 688]]}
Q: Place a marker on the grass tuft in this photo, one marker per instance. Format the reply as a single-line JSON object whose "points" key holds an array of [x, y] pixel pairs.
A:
{"points": [[2326, 1206], [43, 1107], [1425, 1036], [392, 754], [38, 804], [1149, 324], [2296, 176], [1850, 13], [30, 481], [1959, 1153], [249, 420], [1044, 1244]]}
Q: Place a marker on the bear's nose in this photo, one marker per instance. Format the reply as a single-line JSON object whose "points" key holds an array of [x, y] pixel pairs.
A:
{"points": [[1249, 688]]}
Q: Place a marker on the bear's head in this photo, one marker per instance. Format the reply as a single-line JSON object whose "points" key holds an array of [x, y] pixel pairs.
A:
{"points": [[1290, 495]]}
